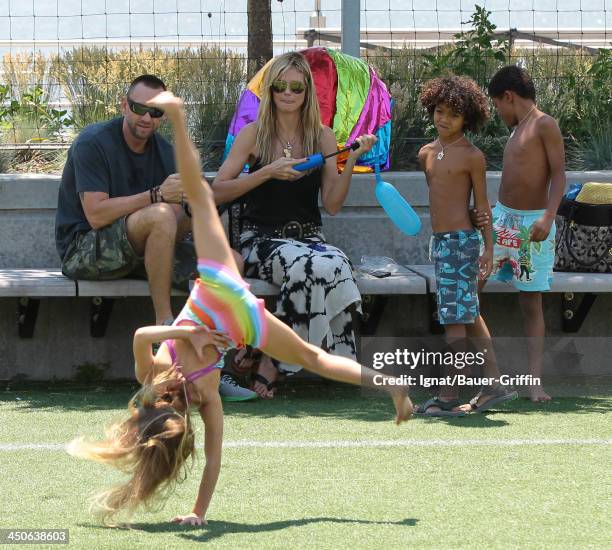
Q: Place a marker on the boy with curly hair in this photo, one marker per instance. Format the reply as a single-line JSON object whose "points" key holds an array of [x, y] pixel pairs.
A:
{"points": [[455, 169]]}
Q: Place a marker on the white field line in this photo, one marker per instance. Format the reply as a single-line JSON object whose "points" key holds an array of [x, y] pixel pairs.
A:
{"points": [[345, 444]]}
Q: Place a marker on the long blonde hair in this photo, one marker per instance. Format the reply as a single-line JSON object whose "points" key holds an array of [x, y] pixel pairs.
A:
{"points": [[152, 445], [266, 115]]}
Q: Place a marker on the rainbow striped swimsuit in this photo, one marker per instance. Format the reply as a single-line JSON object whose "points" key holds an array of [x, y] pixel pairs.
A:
{"points": [[222, 301]]}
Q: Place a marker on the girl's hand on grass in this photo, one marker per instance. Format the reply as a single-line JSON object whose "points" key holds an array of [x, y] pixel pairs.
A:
{"points": [[189, 519]]}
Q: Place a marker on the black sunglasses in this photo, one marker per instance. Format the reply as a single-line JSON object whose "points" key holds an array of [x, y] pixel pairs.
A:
{"points": [[279, 86], [140, 109]]}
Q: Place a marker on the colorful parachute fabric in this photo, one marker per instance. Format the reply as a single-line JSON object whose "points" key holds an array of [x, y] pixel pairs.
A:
{"points": [[352, 99]]}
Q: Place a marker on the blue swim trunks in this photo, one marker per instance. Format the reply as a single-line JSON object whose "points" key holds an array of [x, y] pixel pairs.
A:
{"points": [[455, 255], [528, 265]]}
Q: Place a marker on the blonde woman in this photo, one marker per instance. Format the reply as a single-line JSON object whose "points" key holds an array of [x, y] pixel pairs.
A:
{"points": [[282, 241], [154, 444]]}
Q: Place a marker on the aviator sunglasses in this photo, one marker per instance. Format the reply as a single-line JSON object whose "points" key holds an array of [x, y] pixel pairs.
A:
{"points": [[295, 86], [140, 109]]}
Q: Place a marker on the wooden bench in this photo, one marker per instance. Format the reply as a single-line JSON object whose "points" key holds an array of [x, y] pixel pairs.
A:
{"points": [[573, 312], [30, 285]]}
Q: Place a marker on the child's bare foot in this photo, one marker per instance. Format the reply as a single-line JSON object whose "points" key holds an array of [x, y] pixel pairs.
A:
{"points": [[403, 407], [538, 395]]}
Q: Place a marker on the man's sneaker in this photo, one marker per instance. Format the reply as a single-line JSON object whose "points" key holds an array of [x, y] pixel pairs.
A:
{"points": [[231, 391]]}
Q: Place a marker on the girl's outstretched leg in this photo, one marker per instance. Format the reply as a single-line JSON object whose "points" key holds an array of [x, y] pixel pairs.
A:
{"points": [[208, 233], [283, 344]]}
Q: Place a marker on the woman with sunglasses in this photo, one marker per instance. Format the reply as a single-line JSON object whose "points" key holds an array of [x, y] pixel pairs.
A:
{"points": [[155, 442], [281, 240]]}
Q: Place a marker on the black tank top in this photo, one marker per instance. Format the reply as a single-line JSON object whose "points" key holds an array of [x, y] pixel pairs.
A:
{"points": [[276, 202]]}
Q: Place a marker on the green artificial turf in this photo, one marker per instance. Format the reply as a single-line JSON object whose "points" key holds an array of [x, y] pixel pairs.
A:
{"points": [[422, 495]]}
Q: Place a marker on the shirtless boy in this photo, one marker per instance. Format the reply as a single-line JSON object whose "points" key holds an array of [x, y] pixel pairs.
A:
{"points": [[533, 182], [455, 169]]}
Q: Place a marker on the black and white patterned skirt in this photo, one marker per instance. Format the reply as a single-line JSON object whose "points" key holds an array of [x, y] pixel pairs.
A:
{"points": [[317, 287]]}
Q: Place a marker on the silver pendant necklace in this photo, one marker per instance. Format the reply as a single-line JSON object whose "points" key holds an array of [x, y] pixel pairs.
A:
{"points": [[440, 155], [521, 121], [288, 148]]}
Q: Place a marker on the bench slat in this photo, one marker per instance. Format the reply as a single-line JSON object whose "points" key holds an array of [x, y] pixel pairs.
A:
{"points": [[262, 288], [134, 287], [407, 283], [562, 282], [118, 288], [35, 283], [51, 283]]}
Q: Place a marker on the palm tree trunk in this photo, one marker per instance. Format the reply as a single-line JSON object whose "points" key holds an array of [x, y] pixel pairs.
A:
{"points": [[260, 35]]}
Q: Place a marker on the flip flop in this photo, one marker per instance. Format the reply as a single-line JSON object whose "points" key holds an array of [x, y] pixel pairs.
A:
{"points": [[445, 406], [498, 399]]}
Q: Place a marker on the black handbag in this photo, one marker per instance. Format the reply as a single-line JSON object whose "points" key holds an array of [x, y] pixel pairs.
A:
{"points": [[584, 237]]}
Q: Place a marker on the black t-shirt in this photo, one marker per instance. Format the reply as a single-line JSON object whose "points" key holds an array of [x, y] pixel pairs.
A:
{"points": [[276, 202], [99, 160]]}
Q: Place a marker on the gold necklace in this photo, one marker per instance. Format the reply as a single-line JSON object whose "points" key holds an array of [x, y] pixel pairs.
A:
{"points": [[440, 155], [521, 121]]}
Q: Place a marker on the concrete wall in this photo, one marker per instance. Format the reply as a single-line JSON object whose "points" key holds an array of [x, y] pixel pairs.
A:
{"points": [[61, 341], [28, 203]]}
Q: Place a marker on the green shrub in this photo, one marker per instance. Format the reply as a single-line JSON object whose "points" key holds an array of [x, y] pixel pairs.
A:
{"points": [[210, 81], [572, 86]]}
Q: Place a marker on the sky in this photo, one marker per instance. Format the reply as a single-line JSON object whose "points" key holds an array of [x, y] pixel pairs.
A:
{"points": [[189, 19]]}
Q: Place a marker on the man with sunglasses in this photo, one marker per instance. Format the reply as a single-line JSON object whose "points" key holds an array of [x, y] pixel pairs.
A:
{"points": [[120, 207], [121, 211]]}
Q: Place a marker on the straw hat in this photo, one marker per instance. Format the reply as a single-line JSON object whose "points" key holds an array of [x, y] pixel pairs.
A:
{"points": [[595, 193]]}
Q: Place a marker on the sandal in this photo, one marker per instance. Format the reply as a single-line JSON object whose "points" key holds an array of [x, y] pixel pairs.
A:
{"points": [[498, 396], [256, 377], [263, 380], [446, 408]]}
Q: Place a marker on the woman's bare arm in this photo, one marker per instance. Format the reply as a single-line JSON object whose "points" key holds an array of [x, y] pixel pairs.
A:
{"points": [[334, 186]]}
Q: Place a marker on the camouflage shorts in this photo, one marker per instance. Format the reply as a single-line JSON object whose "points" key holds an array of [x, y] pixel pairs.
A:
{"points": [[101, 254], [106, 253]]}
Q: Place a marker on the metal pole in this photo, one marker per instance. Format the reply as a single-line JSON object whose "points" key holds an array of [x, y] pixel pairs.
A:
{"points": [[351, 29], [317, 19]]}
